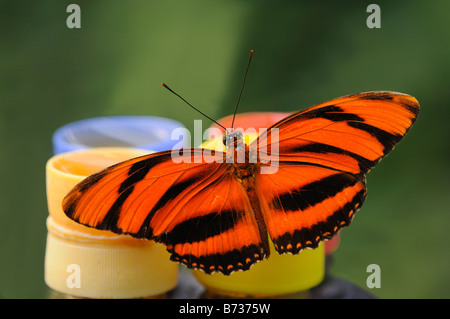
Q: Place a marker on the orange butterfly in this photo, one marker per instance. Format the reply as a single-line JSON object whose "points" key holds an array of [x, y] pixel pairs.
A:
{"points": [[216, 214]]}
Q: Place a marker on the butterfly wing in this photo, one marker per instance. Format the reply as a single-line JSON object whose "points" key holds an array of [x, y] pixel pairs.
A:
{"points": [[319, 157], [193, 205], [304, 204]]}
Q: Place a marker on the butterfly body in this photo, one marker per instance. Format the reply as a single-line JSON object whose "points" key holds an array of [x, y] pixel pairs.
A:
{"points": [[296, 185]]}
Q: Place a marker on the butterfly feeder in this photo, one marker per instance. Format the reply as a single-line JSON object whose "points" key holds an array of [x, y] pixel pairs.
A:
{"points": [[90, 263]]}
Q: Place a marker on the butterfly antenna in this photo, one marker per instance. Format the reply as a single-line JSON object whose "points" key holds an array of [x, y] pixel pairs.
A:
{"points": [[242, 89], [165, 85]]}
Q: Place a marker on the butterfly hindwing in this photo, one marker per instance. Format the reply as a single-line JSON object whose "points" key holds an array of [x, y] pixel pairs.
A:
{"points": [[321, 155], [220, 232], [195, 207], [306, 204]]}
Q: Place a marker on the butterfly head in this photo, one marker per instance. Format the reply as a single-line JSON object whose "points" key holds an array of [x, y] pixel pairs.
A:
{"points": [[233, 139]]}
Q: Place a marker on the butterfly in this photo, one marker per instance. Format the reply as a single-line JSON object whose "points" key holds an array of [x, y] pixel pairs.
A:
{"points": [[218, 214]]}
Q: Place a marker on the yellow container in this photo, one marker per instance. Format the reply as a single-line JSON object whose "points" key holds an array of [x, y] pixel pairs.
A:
{"points": [[278, 275], [86, 262]]}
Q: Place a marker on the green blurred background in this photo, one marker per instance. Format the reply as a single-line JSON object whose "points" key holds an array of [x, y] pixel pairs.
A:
{"points": [[305, 53]]}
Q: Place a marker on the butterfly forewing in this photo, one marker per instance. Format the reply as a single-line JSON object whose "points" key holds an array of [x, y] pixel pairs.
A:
{"points": [[196, 207], [350, 134]]}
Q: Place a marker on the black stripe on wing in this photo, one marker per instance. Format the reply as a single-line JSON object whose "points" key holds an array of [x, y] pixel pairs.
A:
{"points": [[200, 228], [313, 193], [312, 236]]}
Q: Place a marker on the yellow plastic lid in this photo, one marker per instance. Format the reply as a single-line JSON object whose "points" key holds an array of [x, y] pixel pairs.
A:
{"points": [[86, 262]]}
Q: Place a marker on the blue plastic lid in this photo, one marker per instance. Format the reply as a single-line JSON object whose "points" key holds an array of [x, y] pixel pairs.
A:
{"points": [[146, 132]]}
